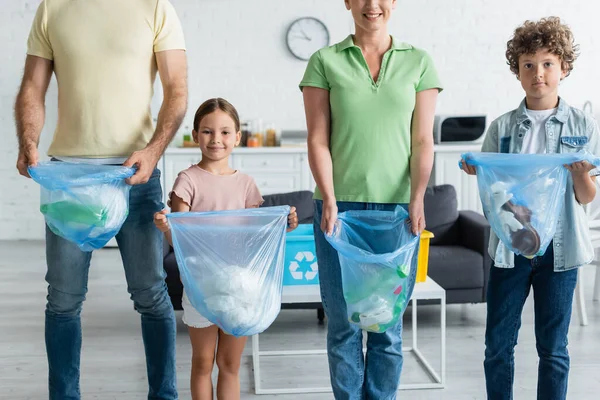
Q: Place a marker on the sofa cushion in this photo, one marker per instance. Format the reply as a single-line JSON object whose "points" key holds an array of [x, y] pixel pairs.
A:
{"points": [[441, 214], [455, 267], [302, 200]]}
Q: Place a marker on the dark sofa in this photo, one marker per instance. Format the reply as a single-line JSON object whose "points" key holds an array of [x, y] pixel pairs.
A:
{"points": [[458, 257]]}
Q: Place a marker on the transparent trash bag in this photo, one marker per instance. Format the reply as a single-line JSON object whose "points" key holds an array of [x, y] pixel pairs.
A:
{"points": [[377, 252], [83, 203], [231, 265], [523, 195]]}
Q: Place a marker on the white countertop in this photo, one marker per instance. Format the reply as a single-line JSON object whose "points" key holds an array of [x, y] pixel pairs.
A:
{"points": [[241, 150], [457, 147]]}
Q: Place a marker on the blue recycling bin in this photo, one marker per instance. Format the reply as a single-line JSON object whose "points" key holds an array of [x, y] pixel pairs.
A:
{"points": [[300, 266]]}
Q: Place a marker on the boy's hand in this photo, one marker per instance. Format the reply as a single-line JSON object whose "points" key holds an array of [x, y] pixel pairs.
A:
{"points": [[469, 169], [160, 220], [292, 219], [584, 185], [580, 169]]}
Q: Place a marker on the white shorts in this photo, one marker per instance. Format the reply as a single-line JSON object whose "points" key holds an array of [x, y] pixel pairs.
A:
{"points": [[191, 317]]}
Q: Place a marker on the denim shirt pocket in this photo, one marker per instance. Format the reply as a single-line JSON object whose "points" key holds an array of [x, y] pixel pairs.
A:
{"points": [[573, 144]]}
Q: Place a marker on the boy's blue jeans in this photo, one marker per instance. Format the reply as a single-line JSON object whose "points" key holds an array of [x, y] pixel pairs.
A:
{"points": [[140, 244], [508, 289], [354, 377]]}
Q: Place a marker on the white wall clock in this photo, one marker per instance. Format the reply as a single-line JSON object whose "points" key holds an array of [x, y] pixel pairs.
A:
{"points": [[305, 36]]}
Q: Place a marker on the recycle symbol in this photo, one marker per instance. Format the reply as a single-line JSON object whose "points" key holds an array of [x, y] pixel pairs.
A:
{"points": [[309, 275]]}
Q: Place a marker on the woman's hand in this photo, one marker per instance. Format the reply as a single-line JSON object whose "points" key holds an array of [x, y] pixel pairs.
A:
{"points": [[416, 214], [329, 216]]}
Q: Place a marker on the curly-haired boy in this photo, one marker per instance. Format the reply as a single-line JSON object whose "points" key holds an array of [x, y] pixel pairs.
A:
{"points": [[541, 54]]}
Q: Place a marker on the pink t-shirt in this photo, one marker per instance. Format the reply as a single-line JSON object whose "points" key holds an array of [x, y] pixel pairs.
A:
{"points": [[204, 191]]}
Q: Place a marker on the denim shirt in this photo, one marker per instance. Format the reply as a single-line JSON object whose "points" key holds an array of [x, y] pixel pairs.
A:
{"points": [[568, 131]]}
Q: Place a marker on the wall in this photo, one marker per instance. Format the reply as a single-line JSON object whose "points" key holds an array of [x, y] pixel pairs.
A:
{"points": [[237, 50]]}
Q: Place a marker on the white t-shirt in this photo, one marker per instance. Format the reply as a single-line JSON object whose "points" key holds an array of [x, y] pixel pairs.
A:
{"points": [[534, 141]]}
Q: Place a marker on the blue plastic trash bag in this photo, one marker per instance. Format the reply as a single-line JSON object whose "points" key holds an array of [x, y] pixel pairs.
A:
{"points": [[86, 204], [231, 265], [377, 252], [523, 195]]}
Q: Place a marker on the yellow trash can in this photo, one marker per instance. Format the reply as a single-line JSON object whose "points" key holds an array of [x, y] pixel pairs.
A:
{"points": [[423, 261]]}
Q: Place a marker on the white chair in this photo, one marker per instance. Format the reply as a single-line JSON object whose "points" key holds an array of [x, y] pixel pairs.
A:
{"points": [[593, 211]]}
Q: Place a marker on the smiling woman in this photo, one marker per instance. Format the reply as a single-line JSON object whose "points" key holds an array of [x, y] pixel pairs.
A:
{"points": [[369, 103]]}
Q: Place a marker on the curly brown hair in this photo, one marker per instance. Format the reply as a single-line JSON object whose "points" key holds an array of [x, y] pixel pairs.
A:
{"points": [[547, 33]]}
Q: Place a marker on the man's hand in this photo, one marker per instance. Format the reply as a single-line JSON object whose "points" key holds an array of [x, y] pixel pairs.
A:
{"points": [[172, 67], [145, 161], [28, 156], [292, 219], [416, 214], [30, 110]]}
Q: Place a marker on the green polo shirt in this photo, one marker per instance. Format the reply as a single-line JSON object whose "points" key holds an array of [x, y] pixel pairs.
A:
{"points": [[371, 121]]}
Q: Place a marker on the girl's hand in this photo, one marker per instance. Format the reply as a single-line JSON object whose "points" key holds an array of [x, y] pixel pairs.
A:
{"points": [[160, 220], [580, 169], [292, 219], [469, 169]]}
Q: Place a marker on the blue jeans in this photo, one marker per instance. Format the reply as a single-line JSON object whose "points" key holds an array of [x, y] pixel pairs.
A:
{"points": [[140, 244], [353, 377], [508, 289]]}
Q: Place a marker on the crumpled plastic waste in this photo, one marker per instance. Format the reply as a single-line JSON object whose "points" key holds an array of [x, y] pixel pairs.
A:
{"points": [[83, 203], [233, 293], [523, 195], [231, 265]]}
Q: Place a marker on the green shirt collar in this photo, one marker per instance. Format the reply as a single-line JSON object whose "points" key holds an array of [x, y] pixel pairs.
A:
{"points": [[349, 42]]}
